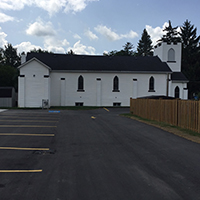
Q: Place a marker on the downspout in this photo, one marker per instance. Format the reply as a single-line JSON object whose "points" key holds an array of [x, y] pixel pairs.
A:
{"points": [[167, 91]]}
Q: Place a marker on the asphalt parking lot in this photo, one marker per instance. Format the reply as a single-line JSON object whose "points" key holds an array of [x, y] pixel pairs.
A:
{"points": [[94, 154], [26, 137]]}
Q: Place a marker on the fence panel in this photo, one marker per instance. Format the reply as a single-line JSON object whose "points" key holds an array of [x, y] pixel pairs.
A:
{"points": [[182, 113]]}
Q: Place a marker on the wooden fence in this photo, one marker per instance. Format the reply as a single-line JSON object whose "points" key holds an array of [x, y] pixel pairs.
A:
{"points": [[182, 113]]}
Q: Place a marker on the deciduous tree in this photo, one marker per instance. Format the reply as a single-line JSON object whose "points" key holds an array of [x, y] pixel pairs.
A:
{"points": [[10, 56], [8, 76]]}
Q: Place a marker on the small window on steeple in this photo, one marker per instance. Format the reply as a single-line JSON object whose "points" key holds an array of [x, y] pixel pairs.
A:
{"points": [[171, 55]]}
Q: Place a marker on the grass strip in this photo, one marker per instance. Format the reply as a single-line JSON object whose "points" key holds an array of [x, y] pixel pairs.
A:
{"points": [[185, 133]]}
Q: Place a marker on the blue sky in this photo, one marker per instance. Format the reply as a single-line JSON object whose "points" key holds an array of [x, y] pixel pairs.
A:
{"points": [[89, 26]]}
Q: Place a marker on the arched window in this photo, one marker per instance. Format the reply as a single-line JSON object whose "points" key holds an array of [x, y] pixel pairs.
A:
{"points": [[171, 55], [80, 84], [116, 84], [177, 92], [151, 84]]}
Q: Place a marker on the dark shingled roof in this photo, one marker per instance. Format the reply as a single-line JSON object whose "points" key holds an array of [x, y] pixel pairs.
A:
{"points": [[5, 92], [178, 76], [101, 63]]}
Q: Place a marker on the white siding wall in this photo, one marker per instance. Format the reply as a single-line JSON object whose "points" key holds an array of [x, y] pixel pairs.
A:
{"points": [[183, 92], [100, 92], [21, 92], [34, 86], [6, 102], [60, 88]]}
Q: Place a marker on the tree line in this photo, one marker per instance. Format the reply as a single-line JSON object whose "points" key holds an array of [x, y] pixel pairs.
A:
{"points": [[10, 60]]}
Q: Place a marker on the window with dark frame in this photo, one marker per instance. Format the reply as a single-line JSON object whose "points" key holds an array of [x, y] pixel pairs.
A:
{"points": [[79, 104], [177, 92], [80, 84], [116, 84], [117, 104], [151, 84]]}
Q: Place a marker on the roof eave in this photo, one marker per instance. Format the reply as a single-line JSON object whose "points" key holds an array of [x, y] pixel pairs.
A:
{"points": [[113, 71], [180, 81], [29, 61]]}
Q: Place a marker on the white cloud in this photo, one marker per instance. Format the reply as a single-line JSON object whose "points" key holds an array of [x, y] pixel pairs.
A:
{"points": [[14, 5], [76, 5], [156, 33], [50, 44], [40, 28], [179, 29], [5, 18], [91, 50], [46, 30], [55, 45], [3, 40], [76, 36], [111, 35], [26, 47], [79, 48], [103, 30], [51, 6], [130, 35], [91, 35]]}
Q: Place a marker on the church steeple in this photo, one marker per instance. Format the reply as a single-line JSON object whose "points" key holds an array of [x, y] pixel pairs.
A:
{"points": [[170, 53]]}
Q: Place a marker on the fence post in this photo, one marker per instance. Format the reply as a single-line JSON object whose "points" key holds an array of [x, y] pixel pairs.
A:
{"points": [[131, 105], [177, 112], [160, 110], [199, 117]]}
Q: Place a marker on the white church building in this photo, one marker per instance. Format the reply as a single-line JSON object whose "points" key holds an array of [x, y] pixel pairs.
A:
{"points": [[82, 80]]}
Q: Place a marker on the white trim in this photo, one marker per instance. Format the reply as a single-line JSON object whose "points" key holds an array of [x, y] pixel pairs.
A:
{"points": [[31, 60], [179, 81]]}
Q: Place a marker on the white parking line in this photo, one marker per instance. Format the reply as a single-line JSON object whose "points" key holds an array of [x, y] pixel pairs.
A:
{"points": [[2, 110]]}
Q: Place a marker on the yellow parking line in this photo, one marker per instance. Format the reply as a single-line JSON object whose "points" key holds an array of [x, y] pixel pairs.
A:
{"points": [[27, 126], [25, 149], [14, 171], [26, 134], [106, 109]]}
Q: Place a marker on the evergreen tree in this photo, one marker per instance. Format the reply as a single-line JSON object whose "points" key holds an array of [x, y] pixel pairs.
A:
{"points": [[189, 37], [126, 51], [171, 34], [39, 51], [145, 45], [190, 56], [71, 52], [1, 55]]}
